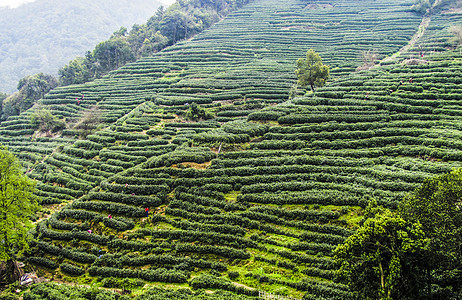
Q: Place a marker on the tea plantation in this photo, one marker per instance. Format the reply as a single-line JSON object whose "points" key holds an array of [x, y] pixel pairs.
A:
{"points": [[256, 195]]}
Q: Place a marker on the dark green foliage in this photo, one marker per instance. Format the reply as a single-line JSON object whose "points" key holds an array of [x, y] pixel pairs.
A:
{"points": [[182, 154], [78, 256], [71, 269], [158, 274], [166, 27], [125, 283], [112, 54], [311, 71], [385, 258], [43, 291], [43, 120], [123, 198], [221, 136], [435, 206], [196, 113], [43, 262], [241, 127], [30, 89], [8, 296]]}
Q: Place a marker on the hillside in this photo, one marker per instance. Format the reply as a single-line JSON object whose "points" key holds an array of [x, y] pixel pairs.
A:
{"points": [[256, 198], [44, 35]]}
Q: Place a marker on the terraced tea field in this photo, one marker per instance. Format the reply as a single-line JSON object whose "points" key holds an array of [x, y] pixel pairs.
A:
{"points": [[256, 198]]}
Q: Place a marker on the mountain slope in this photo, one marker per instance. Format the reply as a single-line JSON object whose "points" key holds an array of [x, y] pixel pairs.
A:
{"points": [[44, 35], [257, 198]]}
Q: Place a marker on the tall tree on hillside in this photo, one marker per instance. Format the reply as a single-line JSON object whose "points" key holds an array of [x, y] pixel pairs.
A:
{"points": [[415, 254], [422, 6], [311, 71], [437, 205], [177, 24], [154, 21], [30, 89], [36, 86], [76, 72], [17, 204], [113, 54], [3, 96], [384, 259]]}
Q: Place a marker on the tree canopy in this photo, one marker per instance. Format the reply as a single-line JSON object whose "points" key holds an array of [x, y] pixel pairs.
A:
{"points": [[17, 204], [437, 206], [413, 253], [30, 89], [311, 71], [43, 120], [384, 258]]}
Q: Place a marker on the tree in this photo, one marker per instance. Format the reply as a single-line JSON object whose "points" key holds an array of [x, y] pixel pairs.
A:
{"points": [[153, 22], [311, 71], [197, 112], [36, 86], [30, 89], [384, 258], [3, 96], [422, 6], [437, 206], [17, 204], [120, 33], [75, 72], [113, 54], [44, 121], [174, 24], [425, 236]]}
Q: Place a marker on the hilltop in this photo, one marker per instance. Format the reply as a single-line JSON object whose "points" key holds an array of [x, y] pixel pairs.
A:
{"points": [[247, 190]]}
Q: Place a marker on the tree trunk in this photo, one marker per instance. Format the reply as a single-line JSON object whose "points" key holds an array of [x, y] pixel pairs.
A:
{"points": [[382, 278], [12, 272], [429, 284], [219, 148]]}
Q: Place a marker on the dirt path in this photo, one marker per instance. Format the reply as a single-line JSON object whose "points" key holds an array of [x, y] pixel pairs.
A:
{"points": [[420, 32]]}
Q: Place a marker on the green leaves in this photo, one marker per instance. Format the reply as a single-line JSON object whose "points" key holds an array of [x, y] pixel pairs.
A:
{"points": [[413, 255], [379, 260], [45, 121], [30, 89], [17, 204], [436, 205], [311, 71]]}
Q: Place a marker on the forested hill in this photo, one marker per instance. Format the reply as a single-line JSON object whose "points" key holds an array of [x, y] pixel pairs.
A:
{"points": [[246, 189], [44, 35]]}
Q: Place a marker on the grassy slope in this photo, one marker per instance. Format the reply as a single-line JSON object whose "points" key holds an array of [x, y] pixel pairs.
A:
{"points": [[273, 212]]}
